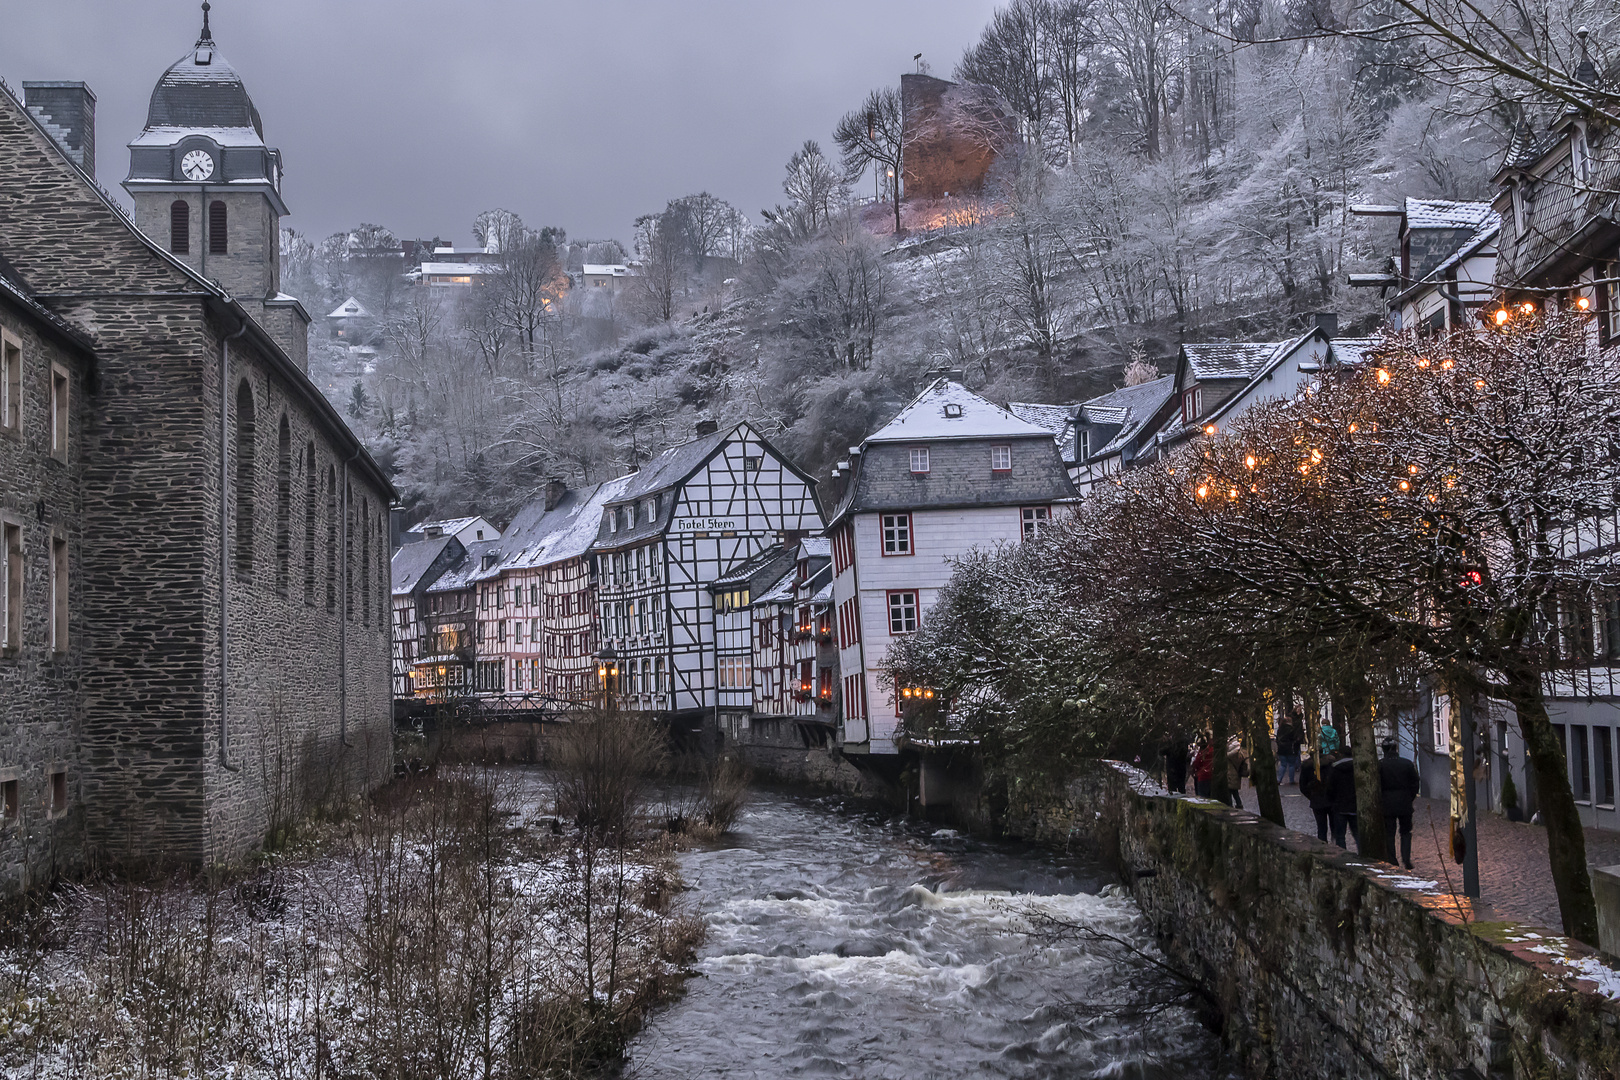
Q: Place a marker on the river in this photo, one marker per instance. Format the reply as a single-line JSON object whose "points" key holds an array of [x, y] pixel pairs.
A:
{"points": [[846, 945]]}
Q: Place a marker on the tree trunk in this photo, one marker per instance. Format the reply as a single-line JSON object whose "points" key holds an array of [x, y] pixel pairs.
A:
{"points": [[1218, 788], [1313, 729], [1364, 748], [1263, 767], [894, 187], [1566, 839]]}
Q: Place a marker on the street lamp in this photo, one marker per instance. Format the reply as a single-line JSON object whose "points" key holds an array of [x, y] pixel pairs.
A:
{"points": [[607, 671]]}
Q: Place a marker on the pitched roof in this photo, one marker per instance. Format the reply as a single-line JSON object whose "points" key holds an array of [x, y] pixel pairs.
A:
{"points": [[411, 561], [1054, 418], [1231, 360], [672, 466], [349, 309], [564, 532], [929, 418], [469, 569], [445, 525], [1132, 407], [758, 571]]}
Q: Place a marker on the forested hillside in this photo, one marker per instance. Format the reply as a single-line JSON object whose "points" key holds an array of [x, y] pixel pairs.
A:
{"points": [[1177, 176]]}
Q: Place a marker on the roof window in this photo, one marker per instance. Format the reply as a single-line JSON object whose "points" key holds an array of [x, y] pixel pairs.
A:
{"points": [[953, 410]]}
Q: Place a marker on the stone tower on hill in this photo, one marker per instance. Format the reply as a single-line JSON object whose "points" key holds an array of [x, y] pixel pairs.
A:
{"points": [[208, 189]]}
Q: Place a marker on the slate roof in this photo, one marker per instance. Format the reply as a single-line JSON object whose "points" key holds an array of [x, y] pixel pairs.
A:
{"points": [[349, 309], [925, 419], [446, 525], [1135, 406], [468, 570], [1054, 418], [202, 90], [565, 532], [758, 572], [13, 287], [411, 561], [781, 592], [1231, 360], [815, 547], [1447, 214]]}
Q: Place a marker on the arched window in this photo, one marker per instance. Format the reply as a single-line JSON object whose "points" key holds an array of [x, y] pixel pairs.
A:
{"points": [[348, 550], [365, 562], [217, 236], [283, 505], [384, 577], [180, 227], [331, 538], [244, 481], [311, 493]]}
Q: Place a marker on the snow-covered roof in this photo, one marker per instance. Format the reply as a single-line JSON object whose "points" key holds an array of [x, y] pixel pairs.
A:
{"points": [[1447, 214], [1054, 418], [573, 529], [605, 270], [824, 596], [949, 410], [781, 592], [411, 561], [349, 309], [448, 526], [1352, 351], [1232, 359], [1131, 407], [167, 135], [458, 269], [815, 547]]}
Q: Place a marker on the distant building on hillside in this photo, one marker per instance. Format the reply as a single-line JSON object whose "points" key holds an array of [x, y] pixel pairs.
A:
{"points": [[469, 530], [611, 276], [952, 472]]}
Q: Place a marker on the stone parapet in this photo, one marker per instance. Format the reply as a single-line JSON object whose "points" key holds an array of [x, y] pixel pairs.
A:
{"points": [[1320, 964]]}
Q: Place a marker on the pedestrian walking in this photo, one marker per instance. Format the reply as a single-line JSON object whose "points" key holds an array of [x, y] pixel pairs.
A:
{"points": [[1341, 795], [1314, 788], [1237, 767], [1203, 766], [1289, 737], [1327, 742], [1174, 752], [1398, 784]]}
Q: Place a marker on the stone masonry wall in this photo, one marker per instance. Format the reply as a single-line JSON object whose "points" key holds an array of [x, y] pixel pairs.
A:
{"points": [[1321, 966], [40, 688]]}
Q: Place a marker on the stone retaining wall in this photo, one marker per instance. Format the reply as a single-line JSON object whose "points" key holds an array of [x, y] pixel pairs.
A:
{"points": [[1319, 964]]}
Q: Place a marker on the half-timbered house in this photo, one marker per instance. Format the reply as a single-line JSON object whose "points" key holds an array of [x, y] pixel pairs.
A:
{"points": [[950, 473], [413, 570], [682, 520], [735, 634]]}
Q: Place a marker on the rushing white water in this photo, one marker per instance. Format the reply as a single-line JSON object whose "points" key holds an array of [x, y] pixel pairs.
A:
{"points": [[845, 946]]}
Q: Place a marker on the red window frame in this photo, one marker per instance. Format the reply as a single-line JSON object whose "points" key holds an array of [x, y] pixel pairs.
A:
{"points": [[916, 610], [902, 527]]}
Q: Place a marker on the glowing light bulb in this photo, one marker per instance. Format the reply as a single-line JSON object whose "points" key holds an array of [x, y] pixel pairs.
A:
{"points": [[1202, 490], [1210, 429], [1423, 361], [1413, 469], [1528, 308], [1404, 486], [1445, 365], [1316, 457], [1354, 428], [1232, 494], [1383, 376], [1479, 384], [1583, 302], [1249, 461], [1502, 316]]}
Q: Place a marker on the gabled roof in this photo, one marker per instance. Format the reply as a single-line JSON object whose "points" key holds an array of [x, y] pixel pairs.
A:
{"points": [[1232, 360], [928, 418], [13, 287], [1132, 407], [672, 466], [469, 570], [1054, 418], [758, 571], [562, 533], [815, 547], [1484, 235], [782, 592], [349, 309], [413, 560]]}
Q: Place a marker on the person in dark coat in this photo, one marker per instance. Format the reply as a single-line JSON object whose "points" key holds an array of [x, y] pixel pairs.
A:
{"points": [[1398, 784], [1175, 755], [1316, 791], [1289, 737], [1341, 796], [1203, 766]]}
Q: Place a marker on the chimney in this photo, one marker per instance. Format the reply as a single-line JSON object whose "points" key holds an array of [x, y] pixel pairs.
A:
{"points": [[69, 112], [1327, 322], [555, 490], [396, 527], [707, 427]]}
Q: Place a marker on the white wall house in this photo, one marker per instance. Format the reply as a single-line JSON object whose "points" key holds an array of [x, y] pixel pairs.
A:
{"points": [[469, 530], [686, 518], [951, 473]]}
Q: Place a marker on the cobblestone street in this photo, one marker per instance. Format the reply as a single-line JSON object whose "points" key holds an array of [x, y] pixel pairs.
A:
{"points": [[1514, 880]]}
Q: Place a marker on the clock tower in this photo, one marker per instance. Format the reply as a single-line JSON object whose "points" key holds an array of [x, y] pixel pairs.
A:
{"points": [[208, 190]]}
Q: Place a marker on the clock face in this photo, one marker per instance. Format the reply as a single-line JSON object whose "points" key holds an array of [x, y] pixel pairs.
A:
{"points": [[197, 165]]}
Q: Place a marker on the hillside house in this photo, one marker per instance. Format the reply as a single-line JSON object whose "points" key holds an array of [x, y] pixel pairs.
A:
{"points": [[1445, 266]]}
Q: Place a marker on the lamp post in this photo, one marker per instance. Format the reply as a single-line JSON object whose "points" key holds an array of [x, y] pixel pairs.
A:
{"points": [[607, 673]]}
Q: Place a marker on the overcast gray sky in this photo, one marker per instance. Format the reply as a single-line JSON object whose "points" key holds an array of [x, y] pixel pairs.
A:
{"points": [[417, 114]]}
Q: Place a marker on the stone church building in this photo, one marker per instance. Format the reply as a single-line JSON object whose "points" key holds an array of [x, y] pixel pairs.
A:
{"points": [[194, 640]]}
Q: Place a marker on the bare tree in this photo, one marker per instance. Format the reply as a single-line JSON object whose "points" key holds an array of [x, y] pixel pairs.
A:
{"points": [[873, 135], [498, 231], [812, 186]]}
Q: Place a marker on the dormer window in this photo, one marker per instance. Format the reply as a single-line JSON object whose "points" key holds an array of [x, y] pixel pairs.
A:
{"points": [[953, 410], [919, 459], [613, 521], [1082, 444], [1192, 405], [1579, 157]]}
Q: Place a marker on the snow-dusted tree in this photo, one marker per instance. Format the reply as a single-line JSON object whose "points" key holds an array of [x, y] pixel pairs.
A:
{"points": [[835, 295], [497, 231], [529, 287], [661, 247], [813, 189], [873, 135]]}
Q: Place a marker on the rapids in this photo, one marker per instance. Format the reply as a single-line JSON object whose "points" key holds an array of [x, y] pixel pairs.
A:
{"points": [[845, 945]]}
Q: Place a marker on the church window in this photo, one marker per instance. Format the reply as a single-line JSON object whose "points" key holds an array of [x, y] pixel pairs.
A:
{"points": [[14, 585], [59, 594], [365, 562], [11, 382], [180, 227], [218, 242], [331, 538], [283, 505], [244, 481], [60, 389], [348, 551], [309, 524]]}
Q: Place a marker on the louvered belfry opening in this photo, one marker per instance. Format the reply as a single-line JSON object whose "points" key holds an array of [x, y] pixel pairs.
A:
{"points": [[180, 227], [217, 237]]}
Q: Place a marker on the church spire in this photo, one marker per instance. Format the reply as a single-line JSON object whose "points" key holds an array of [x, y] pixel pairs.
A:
{"points": [[207, 37]]}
